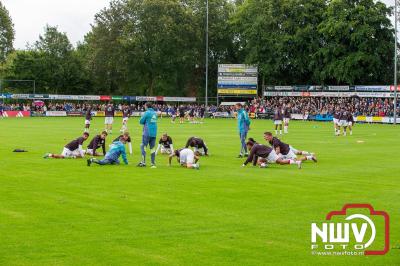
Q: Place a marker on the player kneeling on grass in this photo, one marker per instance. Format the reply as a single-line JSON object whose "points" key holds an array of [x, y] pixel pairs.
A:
{"points": [[198, 144], [187, 158], [71, 150], [117, 149], [97, 142], [127, 140], [285, 151], [165, 145], [261, 155]]}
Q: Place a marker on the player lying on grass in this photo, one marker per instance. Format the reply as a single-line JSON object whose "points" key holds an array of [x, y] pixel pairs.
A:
{"points": [[117, 149], [285, 151], [128, 140], [198, 144], [186, 158], [261, 155], [97, 142], [165, 145], [71, 150]]}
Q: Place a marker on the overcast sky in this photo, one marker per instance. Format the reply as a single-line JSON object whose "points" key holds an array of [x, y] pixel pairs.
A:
{"points": [[71, 16]]}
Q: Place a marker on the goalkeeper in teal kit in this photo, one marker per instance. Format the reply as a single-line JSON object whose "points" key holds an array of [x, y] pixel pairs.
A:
{"points": [[117, 149], [149, 122]]}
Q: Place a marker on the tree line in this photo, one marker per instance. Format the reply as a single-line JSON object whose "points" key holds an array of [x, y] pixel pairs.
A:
{"points": [[157, 47]]}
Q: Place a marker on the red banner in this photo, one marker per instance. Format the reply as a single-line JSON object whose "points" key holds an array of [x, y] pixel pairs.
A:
{"points": [[105, 98], [16, 114], [392, 88]]}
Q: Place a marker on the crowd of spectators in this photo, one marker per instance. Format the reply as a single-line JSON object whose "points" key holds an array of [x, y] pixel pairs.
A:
{"points": [[325, 105], [299, 105]]}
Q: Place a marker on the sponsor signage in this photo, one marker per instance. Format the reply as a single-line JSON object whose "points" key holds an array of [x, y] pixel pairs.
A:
{"points": [[74, 113], [146, 99], [282, 93], [328, 94], [283, 88], [392, 88], [237, 68], [222, 114], [372, 88], [5, 96], [75, 97], [237, 74], [99, 113], [179, 99], [338, 88], [16, 113], [136, 114], [301, 88], [105, 98], [56, 113], [237, 92], [117, 98], [237, 79], [20, 96], [316, 88]]}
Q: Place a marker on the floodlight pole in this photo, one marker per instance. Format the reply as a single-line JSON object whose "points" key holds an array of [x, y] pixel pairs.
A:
{"points": [[395, 64], [206, 94]]}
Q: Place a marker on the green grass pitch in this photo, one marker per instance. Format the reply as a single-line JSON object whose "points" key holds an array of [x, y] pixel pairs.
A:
{"points": [[61, 212]]}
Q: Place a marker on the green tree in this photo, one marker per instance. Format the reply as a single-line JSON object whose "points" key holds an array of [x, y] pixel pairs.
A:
{"points": [[281, 37], [6, 33], [157, 46], [52, 63], [358, 43]]}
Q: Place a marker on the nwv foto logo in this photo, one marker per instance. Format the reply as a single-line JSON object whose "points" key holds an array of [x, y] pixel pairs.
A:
{"points": [[354, 232]]}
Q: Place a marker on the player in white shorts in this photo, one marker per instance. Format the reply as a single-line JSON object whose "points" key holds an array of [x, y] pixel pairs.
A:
{"points": [[278, 117], [286, 118], [88, 118], [336, 116], [126, 113], [72, 150], [285, 151], [350, 121], [109, 119], [343, 123], [186, 158], [261, 155], [165, 145]]}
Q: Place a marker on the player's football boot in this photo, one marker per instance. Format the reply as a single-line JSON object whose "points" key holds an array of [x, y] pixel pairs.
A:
{"points": [[141, 164], [314, 159], [299, 164], [46, 156]]}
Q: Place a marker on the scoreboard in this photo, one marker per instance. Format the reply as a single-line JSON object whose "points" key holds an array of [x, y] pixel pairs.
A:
{"points": [[237, 79]]}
